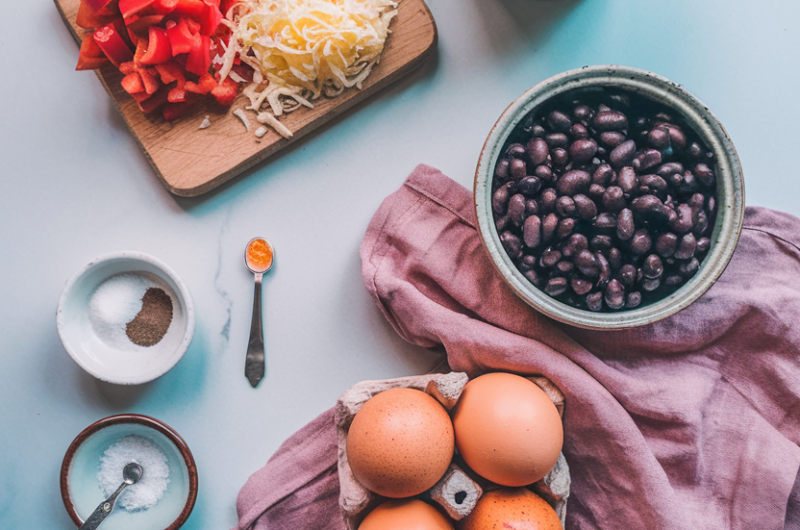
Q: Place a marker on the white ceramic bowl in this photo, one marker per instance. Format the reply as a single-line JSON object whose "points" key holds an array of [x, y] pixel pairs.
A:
{"points": [[103, 359], [730, 191], [80, 488]]}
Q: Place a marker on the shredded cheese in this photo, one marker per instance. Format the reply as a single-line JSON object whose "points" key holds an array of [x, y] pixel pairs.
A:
{"points": [[303, 49]]}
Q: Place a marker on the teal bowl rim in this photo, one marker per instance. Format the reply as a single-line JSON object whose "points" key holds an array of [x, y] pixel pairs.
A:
{"points": [[730, 193], [139, 419]]}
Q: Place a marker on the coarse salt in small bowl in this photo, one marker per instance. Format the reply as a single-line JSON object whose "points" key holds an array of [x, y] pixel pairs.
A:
{"points": [[100, 346], [82, 468]]}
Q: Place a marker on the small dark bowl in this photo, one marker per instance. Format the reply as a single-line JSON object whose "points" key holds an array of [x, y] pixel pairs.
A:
{"points": [[80, 489]]}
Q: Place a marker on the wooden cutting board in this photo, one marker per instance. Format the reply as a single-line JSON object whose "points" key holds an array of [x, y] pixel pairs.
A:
{"points": [[191, 162]]}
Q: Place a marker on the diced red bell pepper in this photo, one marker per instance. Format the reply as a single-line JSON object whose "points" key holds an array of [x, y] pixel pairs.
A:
{"points": [[134, 37], [128, 68], [176, 95], [180, 37], [141, 47], [165, 7], [90, 56], [88, 19], [133, 84], [214, 3], [199, 59], [193, 9], [150, 81], [194, 26], [226, 5], [170, 72], [155, 101], [211, 19], [128, 8], [112, 44], [97, 5], [204, 85], [226, 92], [159, 49], [140, 25]]}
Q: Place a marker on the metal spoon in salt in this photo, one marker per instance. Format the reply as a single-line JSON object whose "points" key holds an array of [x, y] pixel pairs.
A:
{"points": [[131, 474], [258, 256]]}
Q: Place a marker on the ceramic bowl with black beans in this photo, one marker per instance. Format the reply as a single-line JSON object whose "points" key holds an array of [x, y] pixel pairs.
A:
{"points": [[609, 197]]}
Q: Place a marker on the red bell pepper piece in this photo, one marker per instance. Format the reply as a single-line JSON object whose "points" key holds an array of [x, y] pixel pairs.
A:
{"points": [[150, 81], [226, 5], [199, 59], [155, 101], [159, 49], [128, 8], [128, 68], [194, 26], [134, 37], [141, 24], [112, 44], [211, 19], [97, 5], [172, 111], [193, 9], [165, 7], [226, 92], [180, 37], [204, 85], [133, 84], [88, 19], [170, 72], [176, 95], [90, 56]]}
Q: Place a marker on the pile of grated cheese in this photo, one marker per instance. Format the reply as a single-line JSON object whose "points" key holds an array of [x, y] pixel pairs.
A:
{"points": [[303, 49]]}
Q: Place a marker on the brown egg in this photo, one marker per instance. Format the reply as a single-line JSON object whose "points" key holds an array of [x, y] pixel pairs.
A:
{"points": [[400, 443], [516, 508], [405, 514], [507, 429]]}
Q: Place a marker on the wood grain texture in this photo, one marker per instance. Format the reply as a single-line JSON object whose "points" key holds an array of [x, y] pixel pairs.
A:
{"points": [[190, 162]]}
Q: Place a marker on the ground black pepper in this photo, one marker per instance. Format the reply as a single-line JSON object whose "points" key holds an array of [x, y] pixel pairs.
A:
{"points": [[153, 321]]}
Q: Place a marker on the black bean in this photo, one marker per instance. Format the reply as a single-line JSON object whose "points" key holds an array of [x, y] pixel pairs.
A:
{"points": [[500, 223], [584, 206], [650, 207], [581, 286], [583, 113], [622, 154], [550, 257], [688, 183], [527, 262], [673, 280], [600, 243], [515, 151], [533, 277], [659, 138], [518, 168], [646, 159], [532, 231], [556, 286], [625, 224], [627, 179], [501, 169], [652, 267], [529, 186], [537, 151], [544, 173], [633, 300], [565, 227], [511, 243], [549, 224], [610, 121], [587, 263], [500, 199], [565, 206], [565, 266], [557, 140], [653, 184], [573, 182], [666, 244], [702, 244], [686, 247], [670, 168], [612, 139], [627, 274], [531, 207], [694, 150], [711, 205], [651, 284], [615, 258], [578, 131], [613, 199], [685, 220], [574, 244], [605, 268], [689, 268], [559, 121], [640, 242], [594, 301], [559, 156], [596, 192], [615, 295], [696, 201], [676, 135], [704, 174], [701, 224], [547, 200], [582, 150], [516, 209], [605, 220], [603, 175]]}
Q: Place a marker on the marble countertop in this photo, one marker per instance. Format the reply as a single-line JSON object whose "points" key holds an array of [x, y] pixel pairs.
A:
{"points": [[74, 185]]}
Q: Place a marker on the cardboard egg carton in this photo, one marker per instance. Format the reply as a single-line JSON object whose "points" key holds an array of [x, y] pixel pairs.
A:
{"points": [[459, 490]]}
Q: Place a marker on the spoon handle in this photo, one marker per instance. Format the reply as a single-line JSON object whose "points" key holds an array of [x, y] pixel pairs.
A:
{"points": [[102, 511], [254, 362]]}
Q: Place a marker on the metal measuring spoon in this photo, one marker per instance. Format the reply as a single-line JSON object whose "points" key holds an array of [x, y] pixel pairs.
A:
{"points": [[130, 475], [254, 362]]}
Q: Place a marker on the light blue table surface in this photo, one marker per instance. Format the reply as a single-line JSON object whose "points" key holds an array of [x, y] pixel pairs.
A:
{"points": [[74, 185]]}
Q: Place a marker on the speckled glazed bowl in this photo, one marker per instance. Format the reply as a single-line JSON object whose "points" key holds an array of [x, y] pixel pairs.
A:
{"points": [[80, 489], [730, 192]]}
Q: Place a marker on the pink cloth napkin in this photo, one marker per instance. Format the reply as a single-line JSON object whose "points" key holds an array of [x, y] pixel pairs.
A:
{"points": [[689, 423]]}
